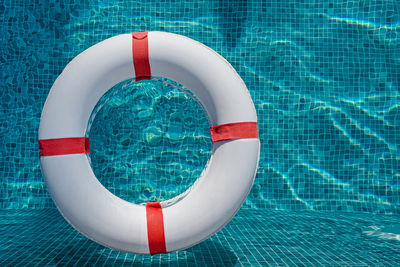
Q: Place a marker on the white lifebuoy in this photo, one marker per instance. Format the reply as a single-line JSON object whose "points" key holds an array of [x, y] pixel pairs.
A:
{"points": [[155, 227]]}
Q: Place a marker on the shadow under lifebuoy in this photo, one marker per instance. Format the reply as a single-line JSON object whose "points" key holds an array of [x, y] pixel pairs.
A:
{"points": [[207, 253], [52, 240]]}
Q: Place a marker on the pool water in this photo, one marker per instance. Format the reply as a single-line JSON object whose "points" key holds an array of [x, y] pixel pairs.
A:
{"points": [[149, 123], [252, 238], [324, 77]]}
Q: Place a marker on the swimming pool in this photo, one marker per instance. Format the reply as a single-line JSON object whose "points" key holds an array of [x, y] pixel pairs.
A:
{"points": [[324, 77]]}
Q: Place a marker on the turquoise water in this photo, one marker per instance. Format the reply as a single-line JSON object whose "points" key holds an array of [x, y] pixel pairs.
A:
{"points": [[149, 140], [324, 77], [293, 238]]}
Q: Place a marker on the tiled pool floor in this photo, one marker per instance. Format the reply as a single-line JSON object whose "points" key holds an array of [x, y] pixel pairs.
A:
{"points": [[253, 237]]}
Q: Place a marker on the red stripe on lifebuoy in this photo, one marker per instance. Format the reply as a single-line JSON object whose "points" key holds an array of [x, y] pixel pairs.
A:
{"points": [[155, 228], [63, 146], [140, 53], [235, 130]]}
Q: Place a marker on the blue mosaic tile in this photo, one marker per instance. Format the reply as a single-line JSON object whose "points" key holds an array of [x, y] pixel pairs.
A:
{"points": [[324, 76], [295, 238]]}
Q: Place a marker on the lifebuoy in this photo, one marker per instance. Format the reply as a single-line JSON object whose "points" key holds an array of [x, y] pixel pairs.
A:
{"points": [[162, 226]]}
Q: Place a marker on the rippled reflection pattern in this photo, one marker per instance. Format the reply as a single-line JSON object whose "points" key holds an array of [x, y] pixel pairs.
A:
{"points": [[146, 143], [324, 77]]}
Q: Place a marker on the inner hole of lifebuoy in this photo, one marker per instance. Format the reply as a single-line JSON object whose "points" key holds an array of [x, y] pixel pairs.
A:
{"points": [[149, 140]]}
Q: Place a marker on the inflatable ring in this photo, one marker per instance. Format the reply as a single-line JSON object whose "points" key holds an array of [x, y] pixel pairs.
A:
{"points": [[157, 227]]}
